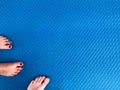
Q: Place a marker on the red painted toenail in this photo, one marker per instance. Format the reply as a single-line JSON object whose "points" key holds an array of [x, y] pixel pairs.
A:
{"points": [[21, 64], [10, 46]]}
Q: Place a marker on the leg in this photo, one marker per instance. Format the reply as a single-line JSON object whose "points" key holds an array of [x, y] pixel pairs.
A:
{"points": [[39, 83], [5, 43]]}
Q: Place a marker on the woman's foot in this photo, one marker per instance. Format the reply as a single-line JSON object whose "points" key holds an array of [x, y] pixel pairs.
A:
{"points": [[5, 43], [39, 83], [10, 69]]}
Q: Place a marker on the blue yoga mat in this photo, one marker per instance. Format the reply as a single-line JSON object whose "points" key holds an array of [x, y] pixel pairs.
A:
{"points": [[74, 42]]}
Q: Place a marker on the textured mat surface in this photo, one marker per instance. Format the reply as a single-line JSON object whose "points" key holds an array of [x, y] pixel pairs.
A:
{"points": [[74, 42]]}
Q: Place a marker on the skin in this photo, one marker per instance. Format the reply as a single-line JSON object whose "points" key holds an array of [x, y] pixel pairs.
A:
{"points": [[12, 69], [9, 69], [39, 83], [5, 43]]}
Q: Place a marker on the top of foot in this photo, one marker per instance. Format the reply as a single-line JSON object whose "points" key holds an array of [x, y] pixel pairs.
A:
{"points": [[5, 43], [11, 69]]}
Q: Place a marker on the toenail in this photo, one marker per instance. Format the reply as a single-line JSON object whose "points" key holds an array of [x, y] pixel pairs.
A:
{"points": [[10, 46], [21, 63]]}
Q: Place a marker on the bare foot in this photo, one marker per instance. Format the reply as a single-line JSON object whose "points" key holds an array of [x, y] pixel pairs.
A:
{"points": [[10, 69], [39, 83], [5, 43]]}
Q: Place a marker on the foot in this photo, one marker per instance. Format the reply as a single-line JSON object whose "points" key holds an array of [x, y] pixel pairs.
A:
{"points": [[5, 43], [39, 83], [10, 69]]}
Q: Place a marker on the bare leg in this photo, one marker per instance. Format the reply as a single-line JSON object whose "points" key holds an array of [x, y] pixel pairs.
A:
{"points": [[39, 83], [5, 43], [10, 69]]}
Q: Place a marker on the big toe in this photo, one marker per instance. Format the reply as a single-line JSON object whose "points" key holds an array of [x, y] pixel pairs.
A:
{"points": [[7, 47], [17, 64], [46, 81]]}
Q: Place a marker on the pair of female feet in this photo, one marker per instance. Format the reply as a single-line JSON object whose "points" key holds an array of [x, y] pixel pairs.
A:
{"points": [[12, 69]]}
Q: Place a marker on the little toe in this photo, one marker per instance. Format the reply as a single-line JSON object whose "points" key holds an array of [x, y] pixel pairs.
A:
{"points": [[3, 37], [32, 82], [16, 73]]}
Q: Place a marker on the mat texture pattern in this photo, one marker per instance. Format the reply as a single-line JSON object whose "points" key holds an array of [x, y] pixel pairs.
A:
{"points": [[74, 42]]}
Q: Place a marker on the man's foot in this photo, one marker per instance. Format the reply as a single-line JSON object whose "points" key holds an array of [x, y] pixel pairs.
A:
{"points": [[5, 43], [10, 69], [39, 83]]}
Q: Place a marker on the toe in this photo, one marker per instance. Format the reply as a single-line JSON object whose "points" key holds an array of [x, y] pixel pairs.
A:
{"points": [[36, 80], [3, 37], [18, 64], [5, 40], [46, 81], [19, 68], [16, 73], [7, 46], [42, 79], [32, 82], [8, 42]]}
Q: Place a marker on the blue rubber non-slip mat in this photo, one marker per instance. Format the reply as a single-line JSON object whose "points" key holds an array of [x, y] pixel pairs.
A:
{"points": [[74, 42]]}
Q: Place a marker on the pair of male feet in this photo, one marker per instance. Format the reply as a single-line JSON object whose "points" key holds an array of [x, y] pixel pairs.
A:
{"points": [[12, 69]]}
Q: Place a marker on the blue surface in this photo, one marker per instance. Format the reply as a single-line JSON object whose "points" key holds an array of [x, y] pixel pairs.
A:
{"points": [[74, 42]]}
